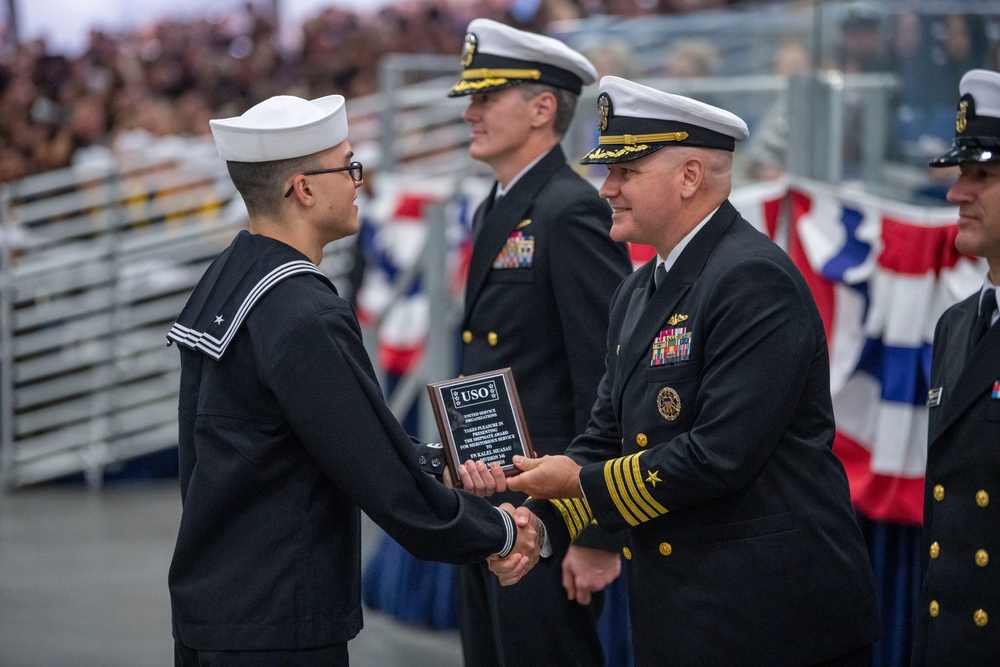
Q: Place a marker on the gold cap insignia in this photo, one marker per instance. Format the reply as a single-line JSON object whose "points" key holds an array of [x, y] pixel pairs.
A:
{"points": [[469, 49], [603, 111], [668, 402], [960, 121], [676, 319]]}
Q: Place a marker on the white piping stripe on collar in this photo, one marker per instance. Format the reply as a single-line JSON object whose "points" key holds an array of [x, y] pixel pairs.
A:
{"points": [[215, 347]]}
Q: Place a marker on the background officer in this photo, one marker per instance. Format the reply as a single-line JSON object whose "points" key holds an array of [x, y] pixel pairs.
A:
{"points": [[959, 623], [542, 273], [711, 440]]}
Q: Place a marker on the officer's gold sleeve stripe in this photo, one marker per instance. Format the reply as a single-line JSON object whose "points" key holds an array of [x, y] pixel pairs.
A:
{"points": [[575, 513], [644, 490], [628, 490], [618, 489], [635, 486], [633, 139], [486, 73], [613, 492]]}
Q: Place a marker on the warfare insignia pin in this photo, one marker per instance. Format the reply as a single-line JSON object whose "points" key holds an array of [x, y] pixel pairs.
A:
{"points": [[961, 122], [603, 111], [668, 402], [524, 223], [653, 477], [469, 49], [934, 397], [676, 319]]}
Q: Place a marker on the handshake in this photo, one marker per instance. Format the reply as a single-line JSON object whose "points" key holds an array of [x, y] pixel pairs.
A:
{"points": [[547, 477], [527, 548]]}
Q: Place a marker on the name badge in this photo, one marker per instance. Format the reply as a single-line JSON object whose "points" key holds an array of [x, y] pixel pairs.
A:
{"points": [[934, 397]]}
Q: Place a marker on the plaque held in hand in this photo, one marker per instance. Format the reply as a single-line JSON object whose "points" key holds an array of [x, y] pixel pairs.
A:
{"points": [[480, 419]]}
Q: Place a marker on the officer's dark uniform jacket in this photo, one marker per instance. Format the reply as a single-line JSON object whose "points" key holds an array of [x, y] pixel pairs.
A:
{"points": [[958, 622], [711, 442], [541, 276], [545, 316], [283, 436]]}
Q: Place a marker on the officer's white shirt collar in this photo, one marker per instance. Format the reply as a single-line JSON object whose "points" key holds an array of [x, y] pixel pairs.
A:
{"points": [[502, 190], [671, 258], [988, 284]]}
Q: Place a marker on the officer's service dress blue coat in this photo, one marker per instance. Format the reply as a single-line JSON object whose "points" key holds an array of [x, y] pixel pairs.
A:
{"points": [[711, 443], [958, 622]]}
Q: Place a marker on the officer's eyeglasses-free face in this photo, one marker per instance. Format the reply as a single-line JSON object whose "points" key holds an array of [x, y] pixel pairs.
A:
{"points": [[354, 169]]}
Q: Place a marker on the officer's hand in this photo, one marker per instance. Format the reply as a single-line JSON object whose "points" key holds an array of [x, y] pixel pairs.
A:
{"points": [[480, 480], [526, 549], [586, 571], [548, 477]]}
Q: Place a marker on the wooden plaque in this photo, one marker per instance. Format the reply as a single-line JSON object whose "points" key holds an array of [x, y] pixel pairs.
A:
{"points": [[480, 419]]}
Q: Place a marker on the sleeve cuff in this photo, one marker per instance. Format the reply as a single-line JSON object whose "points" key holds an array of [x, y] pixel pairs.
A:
{"points": [[511, 529]]}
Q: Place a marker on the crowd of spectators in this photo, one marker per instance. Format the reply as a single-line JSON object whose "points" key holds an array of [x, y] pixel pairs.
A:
{"points": [[169, 77]]}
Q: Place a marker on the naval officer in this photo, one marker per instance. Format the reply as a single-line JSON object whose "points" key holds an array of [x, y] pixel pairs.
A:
{"points": [[958, 622], [711, 441], [541, 276]]}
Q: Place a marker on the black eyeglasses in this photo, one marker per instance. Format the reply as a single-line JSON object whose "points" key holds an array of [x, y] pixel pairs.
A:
{"points": [[354, 169]]}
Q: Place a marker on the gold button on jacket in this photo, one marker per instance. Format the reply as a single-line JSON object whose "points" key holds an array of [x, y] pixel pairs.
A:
{"points": [[627, 553], [491, 338], [466, 336], [935, 550], [982, 558], [641, 440], [666, 549], [938, 492], [934, 608], [982, 498], [981, 618]]}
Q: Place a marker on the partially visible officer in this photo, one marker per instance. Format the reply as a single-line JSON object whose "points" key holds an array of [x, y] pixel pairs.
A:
{"points": [[711, 440], [283, 431], [959, 620], [542, 273]]}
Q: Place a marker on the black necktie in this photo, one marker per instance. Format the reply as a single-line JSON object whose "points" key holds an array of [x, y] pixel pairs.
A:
{"points": [[987, 306], [659, 274], [490, 203]]}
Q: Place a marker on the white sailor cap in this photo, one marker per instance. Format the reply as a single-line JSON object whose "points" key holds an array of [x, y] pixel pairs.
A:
{"points": [[636, 120], [496, 56], [977, 123], [281, 127]]}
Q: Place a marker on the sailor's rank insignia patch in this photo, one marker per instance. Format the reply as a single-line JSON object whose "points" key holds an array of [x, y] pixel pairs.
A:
{"points": [[518, 252], [668, 402], [934, 397], [670, 346]]}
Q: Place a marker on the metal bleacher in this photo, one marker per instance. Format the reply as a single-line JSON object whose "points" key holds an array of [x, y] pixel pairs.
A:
{"points": [[97, 263]]}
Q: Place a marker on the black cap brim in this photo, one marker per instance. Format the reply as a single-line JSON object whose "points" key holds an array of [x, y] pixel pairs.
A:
{"points": [[965, 154]]}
